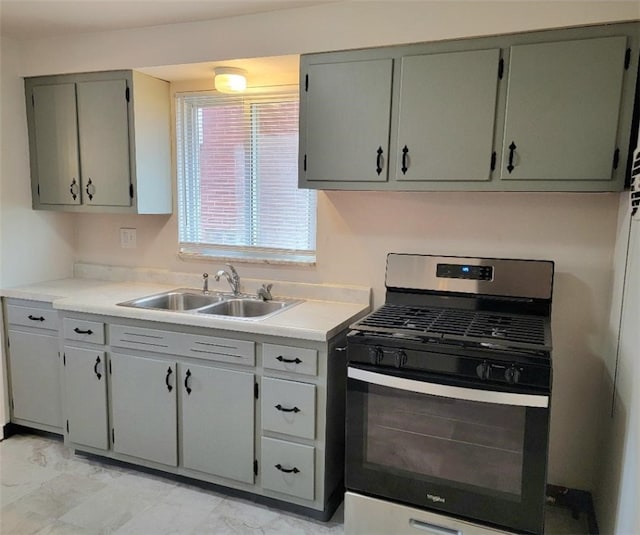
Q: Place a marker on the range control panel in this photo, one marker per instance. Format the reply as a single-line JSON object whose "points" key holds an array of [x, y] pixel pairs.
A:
{"points": [[464, 271]]}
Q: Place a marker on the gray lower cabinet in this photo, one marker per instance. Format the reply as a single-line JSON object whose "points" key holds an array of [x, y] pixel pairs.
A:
{"points": [[85, 396], [33, 363], [144, 408], [217, 421]]}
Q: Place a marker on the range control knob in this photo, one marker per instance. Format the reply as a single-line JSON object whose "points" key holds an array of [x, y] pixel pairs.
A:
{"points": [[375, 355], [483, 370], [512, 375], [401, 358]]}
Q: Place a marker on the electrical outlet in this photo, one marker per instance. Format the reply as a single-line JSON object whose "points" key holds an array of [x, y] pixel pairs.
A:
{"points": [[128, 238]]}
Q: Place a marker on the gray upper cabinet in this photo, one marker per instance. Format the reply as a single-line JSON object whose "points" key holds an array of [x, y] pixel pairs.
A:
{"points": [[56, 134], [446, 115], [104, 142], [563, 108], [100, 142], [540, 111], [347, 114], [217, 417]]}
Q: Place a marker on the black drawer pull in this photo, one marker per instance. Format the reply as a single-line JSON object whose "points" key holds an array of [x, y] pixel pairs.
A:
{"points": [[166, 379], [293, 470], [95, 369], [186, 382], [288, 361], [80, 331], [283, 409], [35, 318], [512, 149]]}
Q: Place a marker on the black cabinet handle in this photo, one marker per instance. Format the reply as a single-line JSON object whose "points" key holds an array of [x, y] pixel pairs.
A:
{"points": [[512, 149], [186, 382], [380, 152], [91, 191], [73, 189], [35, 318], [284, 409], [293, 470], [166, 379], [405, 152], [288, 361], [80, 331], [95, 369]]}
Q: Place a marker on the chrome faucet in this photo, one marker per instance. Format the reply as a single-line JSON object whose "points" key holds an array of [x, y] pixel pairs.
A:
{"points": [[264, 293], [205, 283], [232, 278]]}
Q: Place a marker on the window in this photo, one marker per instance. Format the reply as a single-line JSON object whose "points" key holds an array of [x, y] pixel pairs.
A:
{"points": [[237, 162]]}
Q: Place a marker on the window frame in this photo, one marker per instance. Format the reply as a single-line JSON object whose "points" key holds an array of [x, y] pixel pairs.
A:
{"points": [[188, 197]]}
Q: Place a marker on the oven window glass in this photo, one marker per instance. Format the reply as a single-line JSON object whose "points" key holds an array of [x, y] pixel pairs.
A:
{"points": [[467, 442]]}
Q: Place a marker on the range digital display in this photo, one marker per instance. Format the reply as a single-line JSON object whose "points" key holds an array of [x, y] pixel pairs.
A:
{"points": [[464, 271]]}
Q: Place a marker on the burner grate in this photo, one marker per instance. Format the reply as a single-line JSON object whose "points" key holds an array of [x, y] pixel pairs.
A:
{"points": [[466, 325]]}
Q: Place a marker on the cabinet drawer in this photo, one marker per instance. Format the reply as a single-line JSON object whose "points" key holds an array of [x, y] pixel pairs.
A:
{"points": [[289, 407], [182, 344], [84, 331], [290, 359], [288, 468], [41, 318]]}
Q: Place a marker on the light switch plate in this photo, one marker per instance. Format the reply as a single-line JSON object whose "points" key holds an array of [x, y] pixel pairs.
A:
{"points": [[128, 238]]}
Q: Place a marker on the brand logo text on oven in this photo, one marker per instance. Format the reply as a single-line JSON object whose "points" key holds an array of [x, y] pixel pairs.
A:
{"points": [[435, 499]]}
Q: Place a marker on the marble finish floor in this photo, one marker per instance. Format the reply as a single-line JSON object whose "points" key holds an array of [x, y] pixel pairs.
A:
{"points": [[46, 489]]}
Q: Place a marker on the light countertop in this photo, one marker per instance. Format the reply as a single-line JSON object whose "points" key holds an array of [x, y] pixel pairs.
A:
{"points": [[310, 320]]}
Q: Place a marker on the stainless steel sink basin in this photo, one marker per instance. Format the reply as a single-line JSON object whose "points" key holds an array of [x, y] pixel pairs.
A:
{"points": [[245, 308], [196, 302], [175, 300]]}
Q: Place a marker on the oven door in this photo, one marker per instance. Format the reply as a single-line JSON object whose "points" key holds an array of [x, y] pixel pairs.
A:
{"points": [[448, 445]]}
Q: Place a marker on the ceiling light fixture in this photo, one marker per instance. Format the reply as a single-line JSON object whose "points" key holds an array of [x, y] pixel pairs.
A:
{"points": [[230, 79]]}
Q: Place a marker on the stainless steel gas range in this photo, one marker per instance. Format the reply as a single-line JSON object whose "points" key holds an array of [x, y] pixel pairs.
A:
{"points": [[448, 399]]}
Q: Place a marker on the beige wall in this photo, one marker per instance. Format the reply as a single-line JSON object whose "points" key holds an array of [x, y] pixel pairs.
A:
{"points": [[356, 230], [33, 245]]}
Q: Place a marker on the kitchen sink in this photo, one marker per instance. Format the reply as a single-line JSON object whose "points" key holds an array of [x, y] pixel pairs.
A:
{"points": [[215, 304], [175, 300], [245, 308]]}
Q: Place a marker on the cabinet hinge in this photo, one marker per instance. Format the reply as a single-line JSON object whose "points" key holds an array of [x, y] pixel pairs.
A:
{"points": [[255, 467], [126, 94], [627, 59], [304, 165], [500, 69], [131, 190], [113, 436], [256, 390], [306, 82], [67, 426], [493, 161], [616, 158]]}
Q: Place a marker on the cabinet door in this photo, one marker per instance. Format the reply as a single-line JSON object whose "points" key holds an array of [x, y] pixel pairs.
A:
{"points": [[56, 143], [447, 116], [217, 418], [347, 113], [563, 103], [35, 378], [85, 383], [143, 403], [103, 125]]}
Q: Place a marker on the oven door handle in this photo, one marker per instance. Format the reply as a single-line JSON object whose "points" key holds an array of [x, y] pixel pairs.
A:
{"points": [[446, 391]]}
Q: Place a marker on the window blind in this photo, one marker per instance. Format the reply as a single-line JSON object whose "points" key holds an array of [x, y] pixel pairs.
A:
{"points": [[237, 166]]}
